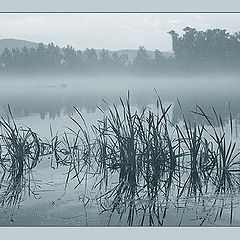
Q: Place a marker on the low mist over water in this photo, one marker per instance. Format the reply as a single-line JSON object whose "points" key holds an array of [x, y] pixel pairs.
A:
{"points": [[54, 97], [119, 120]]}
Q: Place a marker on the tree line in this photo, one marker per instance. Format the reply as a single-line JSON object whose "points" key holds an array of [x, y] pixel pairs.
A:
{"points": [[213, 49]]}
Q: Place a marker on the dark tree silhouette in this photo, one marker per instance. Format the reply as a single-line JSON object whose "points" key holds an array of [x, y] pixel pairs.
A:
{"points": [[194, 51]]}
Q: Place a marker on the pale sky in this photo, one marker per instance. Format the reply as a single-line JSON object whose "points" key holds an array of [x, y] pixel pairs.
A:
{"points": [[110, 30]]}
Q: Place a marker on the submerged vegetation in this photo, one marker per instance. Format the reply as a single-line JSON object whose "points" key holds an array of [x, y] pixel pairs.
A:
{"points": [[141, 163]]}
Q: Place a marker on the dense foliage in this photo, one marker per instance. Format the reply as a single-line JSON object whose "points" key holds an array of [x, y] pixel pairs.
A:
{"points": [[213, 49]]}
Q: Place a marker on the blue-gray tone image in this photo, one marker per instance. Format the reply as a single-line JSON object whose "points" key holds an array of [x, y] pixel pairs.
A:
{"points": [[119, 119]]}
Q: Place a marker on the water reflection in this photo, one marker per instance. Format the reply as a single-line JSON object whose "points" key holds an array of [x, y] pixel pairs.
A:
{"points": [[56, 100]]}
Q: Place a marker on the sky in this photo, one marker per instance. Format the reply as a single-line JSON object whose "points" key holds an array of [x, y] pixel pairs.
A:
{"points": [[110, 30]]}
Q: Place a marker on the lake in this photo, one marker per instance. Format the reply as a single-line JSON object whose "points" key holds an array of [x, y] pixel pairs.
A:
{"points": [[40, 103]]}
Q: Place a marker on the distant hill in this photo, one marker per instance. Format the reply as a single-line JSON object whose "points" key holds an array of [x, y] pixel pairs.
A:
{"points": [[11, 43]]}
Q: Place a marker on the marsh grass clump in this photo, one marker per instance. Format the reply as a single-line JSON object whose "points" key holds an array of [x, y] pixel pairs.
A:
{"points": [[139, 150], [145, 164], [20, 153], [21, 150]]}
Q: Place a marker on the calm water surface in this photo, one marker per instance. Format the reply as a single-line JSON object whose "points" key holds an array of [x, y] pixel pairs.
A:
{"points": [[39, 103]]}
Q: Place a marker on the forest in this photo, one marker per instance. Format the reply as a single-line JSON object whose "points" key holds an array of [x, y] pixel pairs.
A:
{"points": [[193, 51]]}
